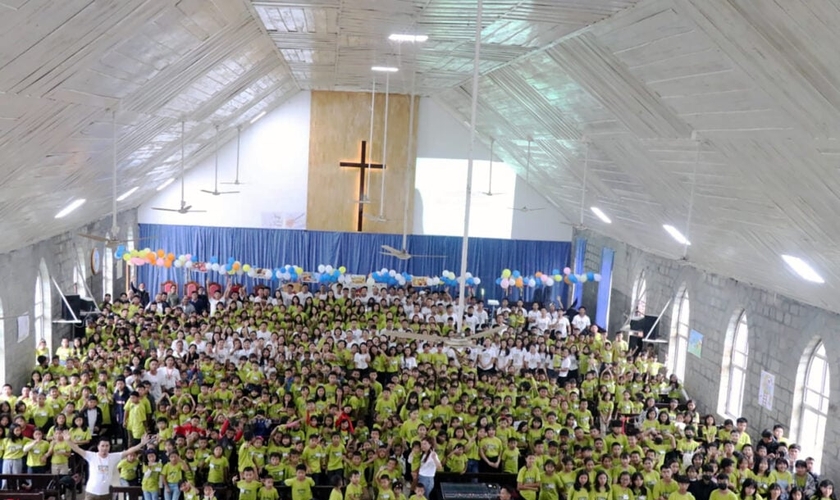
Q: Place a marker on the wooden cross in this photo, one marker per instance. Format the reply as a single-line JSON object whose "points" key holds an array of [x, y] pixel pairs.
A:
{"points": [[362, 165]]}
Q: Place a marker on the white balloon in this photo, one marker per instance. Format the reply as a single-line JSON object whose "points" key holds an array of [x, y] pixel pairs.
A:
{"points": [[477, 281], [287, 276], [392, 273], [384, 270], [188, 264], [328, 269], [371, 281], [469, 275], [278, 274], [177, 263], [321, 268]]}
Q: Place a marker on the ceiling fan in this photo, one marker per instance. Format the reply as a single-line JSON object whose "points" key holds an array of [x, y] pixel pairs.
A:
{"points": [[526, 209], [404, 255], [111, 239], [238, 142], [185, 209], [215, 191], [456, 342], [489, 191]]}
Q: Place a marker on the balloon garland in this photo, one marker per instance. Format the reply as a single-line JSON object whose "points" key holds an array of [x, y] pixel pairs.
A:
{"points": [[509, 279]]}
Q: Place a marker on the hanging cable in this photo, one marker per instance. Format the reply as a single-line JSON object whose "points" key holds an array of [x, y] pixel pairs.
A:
{"points": [[691, 197], [384, 149], [583, 190], [409, 156], [366, 168]]}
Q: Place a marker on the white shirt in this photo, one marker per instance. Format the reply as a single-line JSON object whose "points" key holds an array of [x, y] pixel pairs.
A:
{"points": [[563, 326], [100, 472], [429, 467], [360, 360], [581, 322], [170, 377]]}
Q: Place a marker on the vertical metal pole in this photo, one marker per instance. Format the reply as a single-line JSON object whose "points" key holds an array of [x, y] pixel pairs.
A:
{"points": [[473, 118]]}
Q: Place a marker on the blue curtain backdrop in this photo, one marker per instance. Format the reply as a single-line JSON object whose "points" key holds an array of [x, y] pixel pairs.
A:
{"points": [[604, 287], [359, 252], [580, 261]]}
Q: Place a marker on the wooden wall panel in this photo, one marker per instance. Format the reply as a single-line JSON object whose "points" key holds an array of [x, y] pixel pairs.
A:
{"points": [[340, 121]]}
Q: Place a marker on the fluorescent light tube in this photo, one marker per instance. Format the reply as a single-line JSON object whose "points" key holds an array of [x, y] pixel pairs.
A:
{"points": [[69, 208], [682, 240], [254, 119], [802, 268], [128, 193], [168, 182], [384, 69], [601, 215], [397, 37]]}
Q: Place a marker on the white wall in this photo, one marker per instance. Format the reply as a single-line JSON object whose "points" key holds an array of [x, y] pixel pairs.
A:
{"points": [[542, 225], [441, 135], [274, 167]]}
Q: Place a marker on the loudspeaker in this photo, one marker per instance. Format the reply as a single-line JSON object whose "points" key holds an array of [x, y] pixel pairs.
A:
{"points": [[78, 305]]}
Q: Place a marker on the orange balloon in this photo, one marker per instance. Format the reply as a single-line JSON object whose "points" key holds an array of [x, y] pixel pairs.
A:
{"points": [[152, 258], [236, 266], [160, 253], [519, 282], [566, 280], [537, 274], [170, 256], [167, 264]]}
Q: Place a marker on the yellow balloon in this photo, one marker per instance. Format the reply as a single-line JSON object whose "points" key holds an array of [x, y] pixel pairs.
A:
{"points": [[342, 269], [246, 268]]}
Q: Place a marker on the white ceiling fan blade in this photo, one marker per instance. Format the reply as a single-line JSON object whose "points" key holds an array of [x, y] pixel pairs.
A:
{"points": [[389, 248], [93, 237], [166, 209], [207, 191], [195, 212], [428, 256], [228, 192]]}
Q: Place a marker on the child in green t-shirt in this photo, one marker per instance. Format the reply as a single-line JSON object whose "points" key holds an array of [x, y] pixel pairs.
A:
{"points": [[354, 490], [335, 493], [127, 468], [419, 492], [36, 453], [152, 479], [268, 491], [301, 484], [248, 486]]}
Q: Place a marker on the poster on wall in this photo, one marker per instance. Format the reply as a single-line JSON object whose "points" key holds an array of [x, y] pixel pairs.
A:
{"points": [[766, 390], [23, 327], [284, 220], [695, 343]]}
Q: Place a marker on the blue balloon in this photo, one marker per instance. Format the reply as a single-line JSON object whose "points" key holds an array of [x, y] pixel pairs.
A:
{"points": [[231, 260], [555, 272], [498, 281], [517, 274], [214, 260], [590, 276], [573, 278]]}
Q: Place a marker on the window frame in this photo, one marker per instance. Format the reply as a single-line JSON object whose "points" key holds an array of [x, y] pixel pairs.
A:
{"points": [[678, 340]]}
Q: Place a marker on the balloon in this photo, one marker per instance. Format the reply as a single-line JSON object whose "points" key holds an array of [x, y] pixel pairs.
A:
{"points": [[519, 283], [188, 264], [214, 260], [572, 278], [321, 268], [532, 282], [236, 266], [371, 281], [342, 269], [298, 270], [583, 278], [246, 268], [498, 281], [170, 256], [159, 261], [567, 271], [538, 274], [126, 257], [167, 264], [160, 253], [328, 269], [505, 282], [590, 276], [558, 277], [392, 273], [597, 277], [517, 274], [178, 263], [506, 273], [549, 284], [477, 281], [566, 280]]}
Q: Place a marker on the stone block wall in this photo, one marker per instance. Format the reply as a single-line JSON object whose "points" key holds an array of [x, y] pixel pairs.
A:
{"points": [[18, 272], [782, 333]]}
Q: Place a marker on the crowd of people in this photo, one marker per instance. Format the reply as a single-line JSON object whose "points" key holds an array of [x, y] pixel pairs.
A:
{"points": [[243, 394]]}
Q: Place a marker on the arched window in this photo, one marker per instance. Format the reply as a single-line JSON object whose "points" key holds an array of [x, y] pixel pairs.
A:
{"points": [[639, 296], [736, 352], [678, 345], [129, 238], [79, 275], [108, 272], [43, 305], [810, 411]]}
